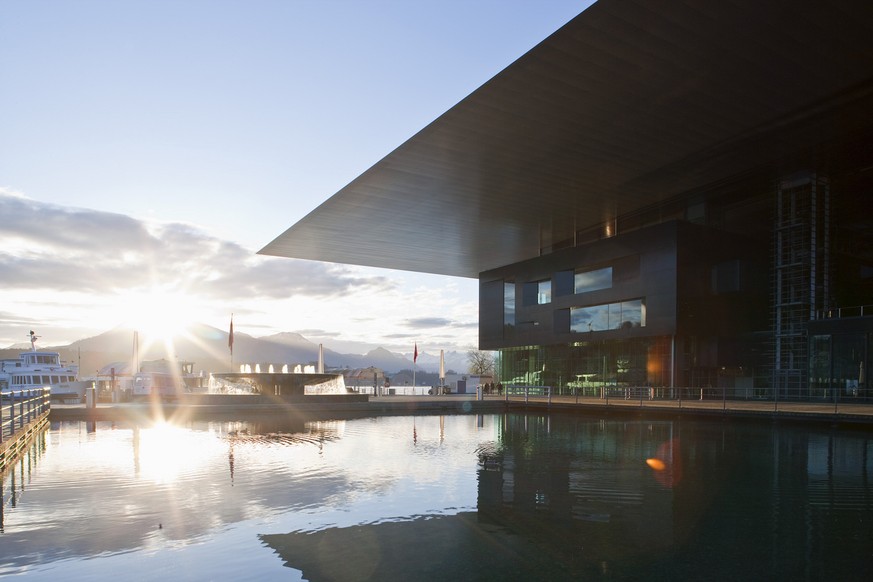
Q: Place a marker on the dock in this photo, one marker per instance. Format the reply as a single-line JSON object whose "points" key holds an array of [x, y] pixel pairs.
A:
{"points": [[23, 416]]}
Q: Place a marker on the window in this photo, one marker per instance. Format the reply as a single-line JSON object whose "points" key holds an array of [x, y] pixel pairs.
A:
{"points": [[508, 303], [619, 315], [544, 292], [586, 281], [536, 292]]}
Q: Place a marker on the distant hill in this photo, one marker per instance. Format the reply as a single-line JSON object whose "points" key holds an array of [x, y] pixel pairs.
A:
{"points": [[206, 346]]}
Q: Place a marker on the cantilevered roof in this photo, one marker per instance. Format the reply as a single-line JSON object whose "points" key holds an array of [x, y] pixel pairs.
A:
{"points": [[629, 104]]}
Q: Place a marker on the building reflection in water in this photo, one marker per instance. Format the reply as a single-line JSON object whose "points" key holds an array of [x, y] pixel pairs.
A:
{"points": [[565, 498]]}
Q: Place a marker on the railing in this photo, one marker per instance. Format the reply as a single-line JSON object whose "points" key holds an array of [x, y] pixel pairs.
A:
{"points": [[706, 397], [19, 408], [527, 392], [840, 312]]}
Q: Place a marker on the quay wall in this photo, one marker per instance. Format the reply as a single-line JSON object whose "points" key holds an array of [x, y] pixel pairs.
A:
{"points": [[241, 407]]}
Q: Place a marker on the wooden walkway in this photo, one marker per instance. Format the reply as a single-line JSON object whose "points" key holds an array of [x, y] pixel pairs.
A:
{"points": [[21, 420]]}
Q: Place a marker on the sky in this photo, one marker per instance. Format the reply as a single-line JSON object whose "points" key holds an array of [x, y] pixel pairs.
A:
{"points": [[150, 148]]}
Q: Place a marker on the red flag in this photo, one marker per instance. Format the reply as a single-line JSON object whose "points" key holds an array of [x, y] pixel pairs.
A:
{"points": [[415, 355], [230, 336]]}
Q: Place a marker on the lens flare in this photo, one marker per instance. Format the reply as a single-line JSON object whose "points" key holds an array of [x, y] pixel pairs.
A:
{"points": [[656, 464]]}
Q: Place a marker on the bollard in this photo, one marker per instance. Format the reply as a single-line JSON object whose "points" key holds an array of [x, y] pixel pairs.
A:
{"points": [[91, 396]]}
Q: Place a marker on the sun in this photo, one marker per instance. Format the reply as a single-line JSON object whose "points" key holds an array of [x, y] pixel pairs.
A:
{"points": [[159, 315]]}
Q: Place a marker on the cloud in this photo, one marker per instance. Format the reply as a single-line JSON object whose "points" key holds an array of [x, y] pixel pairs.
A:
{"points": [[318, 333], [427, 322], [436, 322], [49, 247]]}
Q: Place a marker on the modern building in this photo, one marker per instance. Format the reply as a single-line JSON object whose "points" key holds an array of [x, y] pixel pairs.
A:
{"points": [[660, 194]]}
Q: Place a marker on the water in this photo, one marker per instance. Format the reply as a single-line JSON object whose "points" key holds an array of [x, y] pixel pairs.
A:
{"points": [[460, 497]]}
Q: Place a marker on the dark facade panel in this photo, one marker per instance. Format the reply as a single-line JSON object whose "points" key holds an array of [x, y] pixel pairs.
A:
{"points": [[722, 283], [643, 266], [491, 311]]}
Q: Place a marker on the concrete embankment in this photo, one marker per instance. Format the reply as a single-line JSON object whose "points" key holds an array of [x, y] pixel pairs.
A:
{"points": [[842, 414], [232, 407], [241, 407]]}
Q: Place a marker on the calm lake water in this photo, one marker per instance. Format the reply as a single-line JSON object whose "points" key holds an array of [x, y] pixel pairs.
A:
{"points": [[460, 497]]}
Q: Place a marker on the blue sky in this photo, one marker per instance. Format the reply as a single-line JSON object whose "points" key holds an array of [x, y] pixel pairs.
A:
{"points": [[150, 148]]}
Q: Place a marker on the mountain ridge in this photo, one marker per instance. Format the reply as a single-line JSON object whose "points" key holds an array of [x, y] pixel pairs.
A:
{"points": [[208, 348]]}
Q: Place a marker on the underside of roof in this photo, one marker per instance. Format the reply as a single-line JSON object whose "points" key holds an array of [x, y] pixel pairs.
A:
{"points": [[629, 105]]}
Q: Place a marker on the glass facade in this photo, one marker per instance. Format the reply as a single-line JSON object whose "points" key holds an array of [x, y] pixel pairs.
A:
{"points": [[617, 315], [837, 366], [586, 367]]}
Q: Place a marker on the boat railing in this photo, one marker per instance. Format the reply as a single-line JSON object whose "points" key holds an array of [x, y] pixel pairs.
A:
{"points": [[18, 408]]}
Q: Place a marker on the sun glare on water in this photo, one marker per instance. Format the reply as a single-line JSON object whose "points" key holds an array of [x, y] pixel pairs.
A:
{"points": [[164, 452]]}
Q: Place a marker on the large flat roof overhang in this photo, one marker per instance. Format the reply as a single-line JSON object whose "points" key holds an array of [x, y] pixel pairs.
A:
{"points": [[628, 105]]}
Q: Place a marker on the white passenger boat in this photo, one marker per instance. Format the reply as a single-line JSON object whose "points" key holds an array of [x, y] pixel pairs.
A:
{"points": [[41, 369]]}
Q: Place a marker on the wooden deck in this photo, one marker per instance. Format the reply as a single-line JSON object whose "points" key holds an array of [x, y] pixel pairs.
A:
{"points": [[23, 415]]}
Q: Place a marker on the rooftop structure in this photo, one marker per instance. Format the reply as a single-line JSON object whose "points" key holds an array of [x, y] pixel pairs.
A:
{"points": [[627, 107]]}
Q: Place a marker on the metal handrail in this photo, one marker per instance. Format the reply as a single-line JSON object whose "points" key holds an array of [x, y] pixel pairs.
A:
{"points": [[651, 395], [18, 408], [840, 312]]}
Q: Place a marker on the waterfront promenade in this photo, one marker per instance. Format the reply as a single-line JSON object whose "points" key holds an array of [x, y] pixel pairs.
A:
{"points": [[788, 411]]}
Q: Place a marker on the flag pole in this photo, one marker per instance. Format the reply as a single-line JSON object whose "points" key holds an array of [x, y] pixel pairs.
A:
{"points": [[230, 342]]}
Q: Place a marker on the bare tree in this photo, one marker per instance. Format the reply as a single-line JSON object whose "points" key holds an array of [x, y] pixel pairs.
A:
{"points": [[481, 363]]}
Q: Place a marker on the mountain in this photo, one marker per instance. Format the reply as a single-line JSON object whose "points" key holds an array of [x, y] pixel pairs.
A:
{"points": [[207, 347]]}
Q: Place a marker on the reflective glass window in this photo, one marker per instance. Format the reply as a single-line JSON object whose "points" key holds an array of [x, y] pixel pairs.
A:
{"points": [[544, 291], [633, 313], [586, 281], [508, 303], [592, 318], [617, 315]]}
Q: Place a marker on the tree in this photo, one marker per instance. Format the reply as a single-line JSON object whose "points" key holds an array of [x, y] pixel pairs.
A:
{"points": [[481, 363]]}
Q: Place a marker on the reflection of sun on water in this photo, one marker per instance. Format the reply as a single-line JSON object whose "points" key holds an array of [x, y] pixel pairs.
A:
{"points": [[167, 451]]}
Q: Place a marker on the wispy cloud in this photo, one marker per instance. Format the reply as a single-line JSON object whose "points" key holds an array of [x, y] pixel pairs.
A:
{"points": [[51, 247], [438, 322]]}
